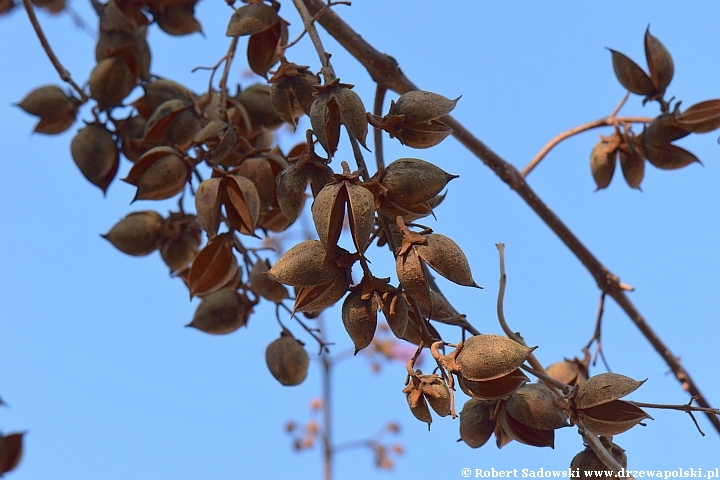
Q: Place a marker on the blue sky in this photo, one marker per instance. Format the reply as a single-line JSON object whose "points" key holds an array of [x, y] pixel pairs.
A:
{"points": [[96, 362]]}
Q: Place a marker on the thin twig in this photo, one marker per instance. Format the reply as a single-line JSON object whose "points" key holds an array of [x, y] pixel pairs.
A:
{"points": [[601, 122], [380, 91], [223, 80], [687, 408], [384, 70], [359, 159], [597, 335], [308, 22], [62, 71], [534, 362]]}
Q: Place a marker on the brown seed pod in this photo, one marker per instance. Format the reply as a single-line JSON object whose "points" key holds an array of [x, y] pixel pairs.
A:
{"points": [[259, 171], [420, 106], [207, 205], [334, 105], [533, 405], [487, 357], [437, 394], [633, 165], [56, 110], [395, 309], [165, 178], [660, 63], [292, 91], [525, 434], [631, 76], [251, 19], [222, 311], [256, 100], [291, 185], [420, 409], [137, 234], [110, 82], [669, 157], [360, 318], [177, 19], [330, 205], [603, 160], [612, 418], [476, 422], [180, 247], [265, 285], [570, 372], [317, 298], [214, 267], [305, 265], [446, 258], [161, 90], [287, 360], [586, 461], [495, 389], [603, 388], [11, 451], [96, 154], [411, 180], [702, 117]]}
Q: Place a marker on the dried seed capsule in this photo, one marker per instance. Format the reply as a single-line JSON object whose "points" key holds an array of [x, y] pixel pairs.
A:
{"points": [[487, 357], [137, 234], [437, 394], [411, 180], [603, 388], [602, 164], [96, 154], [222, 311], [265, 285], [587, 462], [110, 82], [287, 360], [420, 106], [476, 424], [360, 318], [533, 405]]}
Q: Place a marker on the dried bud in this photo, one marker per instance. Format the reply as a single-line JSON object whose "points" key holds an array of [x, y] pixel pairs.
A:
{"points": [[222, 311], [137, 234], [287, 360]]}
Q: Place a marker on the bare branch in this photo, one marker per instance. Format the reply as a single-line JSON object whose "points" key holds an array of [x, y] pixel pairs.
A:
{"points": [[64, 74]]}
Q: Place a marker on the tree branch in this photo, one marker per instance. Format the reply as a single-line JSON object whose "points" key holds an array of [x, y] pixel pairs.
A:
{"points": [[64, 74], [385, 71]]}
